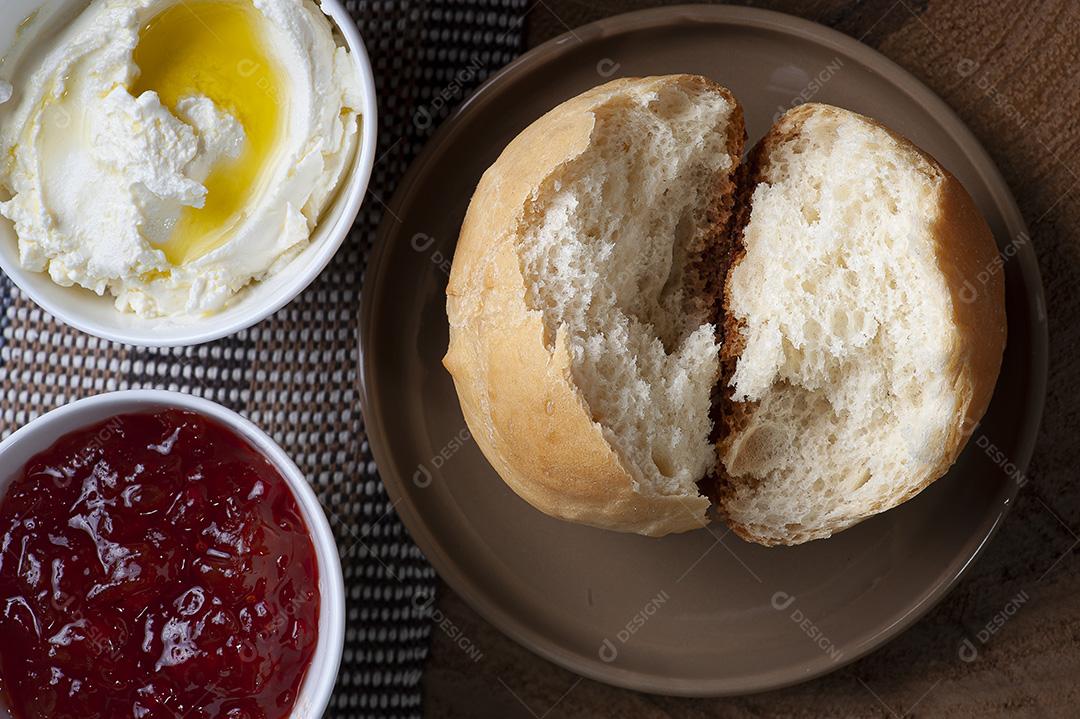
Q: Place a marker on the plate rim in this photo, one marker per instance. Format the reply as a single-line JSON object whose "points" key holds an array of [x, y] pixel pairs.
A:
{"points": [[1000, 194]]}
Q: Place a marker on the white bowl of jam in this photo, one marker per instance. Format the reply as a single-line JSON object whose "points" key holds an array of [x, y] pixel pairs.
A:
{"points": [[162, 557]]}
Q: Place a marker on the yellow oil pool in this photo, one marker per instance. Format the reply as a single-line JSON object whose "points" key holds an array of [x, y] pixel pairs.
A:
{"points": [[215, 48]]}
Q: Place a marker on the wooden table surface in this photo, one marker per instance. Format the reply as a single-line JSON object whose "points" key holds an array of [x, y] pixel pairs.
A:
{"points": [[1022, 100]]}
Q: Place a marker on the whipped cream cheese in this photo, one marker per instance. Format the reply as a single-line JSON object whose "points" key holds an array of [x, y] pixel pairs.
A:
{"points": [[170, 152]]}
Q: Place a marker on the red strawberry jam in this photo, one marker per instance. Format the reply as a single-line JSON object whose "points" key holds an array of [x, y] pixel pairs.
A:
{"points": [[154, 565]]}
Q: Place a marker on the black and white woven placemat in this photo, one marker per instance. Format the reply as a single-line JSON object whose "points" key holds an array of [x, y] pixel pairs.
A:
{"points": [[296, 375]]}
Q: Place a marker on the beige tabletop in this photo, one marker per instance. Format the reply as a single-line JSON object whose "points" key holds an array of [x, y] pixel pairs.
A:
{"points": [[1006, 641]]}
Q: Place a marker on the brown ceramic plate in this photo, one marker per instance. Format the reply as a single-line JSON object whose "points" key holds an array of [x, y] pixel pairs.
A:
{"points": [[701, 613]]}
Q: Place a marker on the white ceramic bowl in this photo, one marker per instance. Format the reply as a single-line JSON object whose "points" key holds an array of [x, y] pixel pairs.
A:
{"points": [[41, 433], [95, 315]]}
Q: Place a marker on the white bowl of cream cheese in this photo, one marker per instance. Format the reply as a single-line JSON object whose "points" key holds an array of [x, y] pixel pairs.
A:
{"points": [[174, 171]]}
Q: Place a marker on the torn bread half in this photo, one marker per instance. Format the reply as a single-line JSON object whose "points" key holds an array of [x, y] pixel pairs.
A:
{"points": [[582, 301], [865, 324]]}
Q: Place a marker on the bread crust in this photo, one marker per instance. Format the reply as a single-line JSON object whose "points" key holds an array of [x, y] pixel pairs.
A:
{"points": [[967, 257], [515, 385]]}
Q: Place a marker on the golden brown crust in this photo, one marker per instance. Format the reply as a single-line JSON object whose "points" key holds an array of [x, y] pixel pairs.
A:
{"points": [[970, 264], [515, 386]]}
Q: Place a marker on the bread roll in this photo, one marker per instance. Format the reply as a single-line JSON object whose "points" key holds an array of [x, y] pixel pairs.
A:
{"points": [[860, 349], [807, 338], [581, 302]]}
